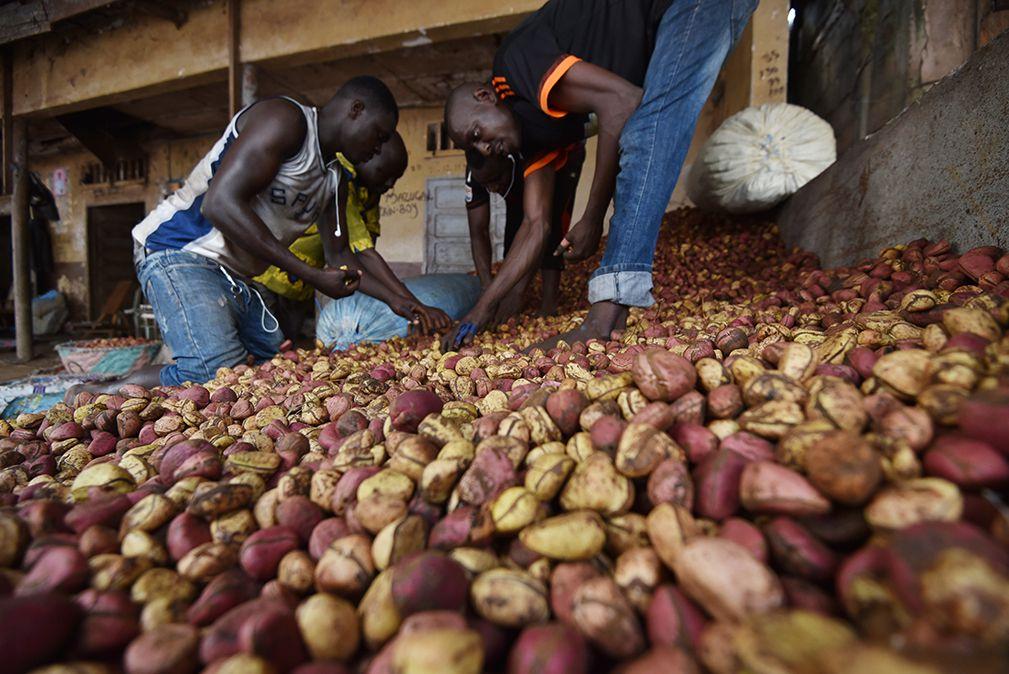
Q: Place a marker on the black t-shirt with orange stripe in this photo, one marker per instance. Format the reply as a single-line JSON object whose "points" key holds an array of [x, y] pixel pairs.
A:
{"points": [[618, 35]]}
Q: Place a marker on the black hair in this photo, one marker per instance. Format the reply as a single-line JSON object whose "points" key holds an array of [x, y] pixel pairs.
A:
{"points": [[372, 91]]}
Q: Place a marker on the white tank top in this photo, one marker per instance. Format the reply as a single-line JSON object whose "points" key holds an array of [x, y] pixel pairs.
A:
{"points": [[293, 201]]}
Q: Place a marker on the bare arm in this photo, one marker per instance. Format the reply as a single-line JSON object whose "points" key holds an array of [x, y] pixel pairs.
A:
{"points": [[479, 241], [588, 88], [271, 132], [526, 251]]}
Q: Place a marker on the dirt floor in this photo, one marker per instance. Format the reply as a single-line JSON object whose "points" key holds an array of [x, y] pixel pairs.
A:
{"points": [[45, 361]]}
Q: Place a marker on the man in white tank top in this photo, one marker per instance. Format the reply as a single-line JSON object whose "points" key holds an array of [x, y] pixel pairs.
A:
{"points": [[262, 184]]}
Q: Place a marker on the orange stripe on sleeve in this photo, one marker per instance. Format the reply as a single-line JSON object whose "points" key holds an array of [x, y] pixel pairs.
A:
{"points": [[544, 160], [551, 80]]}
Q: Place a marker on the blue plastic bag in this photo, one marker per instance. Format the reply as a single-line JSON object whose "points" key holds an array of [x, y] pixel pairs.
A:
{"points": [[360, 318]]}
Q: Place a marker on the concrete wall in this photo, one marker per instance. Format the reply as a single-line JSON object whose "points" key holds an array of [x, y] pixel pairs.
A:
{"points": [[168, 162], [858, 63], [938, 170]]}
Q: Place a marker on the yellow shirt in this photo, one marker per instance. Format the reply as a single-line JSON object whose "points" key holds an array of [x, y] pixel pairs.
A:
{"points": [[362, 229], [362, 212], [308, 248]]}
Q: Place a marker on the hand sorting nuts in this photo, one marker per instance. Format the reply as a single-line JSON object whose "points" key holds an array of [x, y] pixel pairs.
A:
{"points": [[775, 468]]}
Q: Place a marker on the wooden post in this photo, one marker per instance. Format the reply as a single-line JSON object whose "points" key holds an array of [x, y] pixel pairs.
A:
{"points": [[8, 121], [250, 84], [20, 237], [234, 57]]}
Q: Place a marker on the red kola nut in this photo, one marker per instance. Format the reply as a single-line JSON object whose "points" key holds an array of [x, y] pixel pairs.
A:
{"points": [[747, 535], [984, 416], [716, 484], [565, 579], [554, 648], [300, 514], [324, 533], [661, 375], [967, 462], [262, 551], [698, 441], [606, 432], [564, 407], [670, 482], [410, 408], [673, 620]]}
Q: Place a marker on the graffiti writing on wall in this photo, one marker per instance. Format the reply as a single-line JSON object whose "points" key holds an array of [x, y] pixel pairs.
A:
{"points": [[405, 203]]}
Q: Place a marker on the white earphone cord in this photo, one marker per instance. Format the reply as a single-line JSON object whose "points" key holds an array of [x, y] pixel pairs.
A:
{"points": [[266, 312]]}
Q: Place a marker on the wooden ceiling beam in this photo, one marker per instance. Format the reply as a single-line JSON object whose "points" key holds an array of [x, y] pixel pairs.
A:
{"points": [[148, 55], [20, 20]]}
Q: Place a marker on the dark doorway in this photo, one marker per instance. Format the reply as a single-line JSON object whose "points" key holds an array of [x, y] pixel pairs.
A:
{"points": [[110, 249]]}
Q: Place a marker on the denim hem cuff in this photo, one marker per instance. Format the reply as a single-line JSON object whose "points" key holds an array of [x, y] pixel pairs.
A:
{"points": [[630, 288]]}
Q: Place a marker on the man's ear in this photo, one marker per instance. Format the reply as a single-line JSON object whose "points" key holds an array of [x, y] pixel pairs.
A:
{"points": [[356, 109], [484, 94]]}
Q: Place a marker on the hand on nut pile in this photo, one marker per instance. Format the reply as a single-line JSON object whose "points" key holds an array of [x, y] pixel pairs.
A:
{"points": [[463, 333], [777, 468], [423, 319]]}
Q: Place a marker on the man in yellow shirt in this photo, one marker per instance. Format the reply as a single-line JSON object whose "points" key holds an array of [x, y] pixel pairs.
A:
{"points": [[386, 306]]}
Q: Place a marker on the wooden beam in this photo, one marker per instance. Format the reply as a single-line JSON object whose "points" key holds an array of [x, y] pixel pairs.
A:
{"points": [[234, 57], [107, 133], [19, 243], [148, 56], [24, 19], [7, 163], [250, 84]]}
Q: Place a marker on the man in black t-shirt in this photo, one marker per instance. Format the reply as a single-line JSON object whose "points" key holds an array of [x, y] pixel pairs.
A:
{"points": [[645, 69], [504, 177]]}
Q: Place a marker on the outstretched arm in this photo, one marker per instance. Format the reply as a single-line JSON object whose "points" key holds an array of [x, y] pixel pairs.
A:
{"points": [[478, 218], [271, 131], [525, 253], [429, 319], [588, 88]]}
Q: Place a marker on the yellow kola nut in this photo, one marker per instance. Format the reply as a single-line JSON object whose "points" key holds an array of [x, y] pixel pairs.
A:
{"points": [[569, 537], [513, 509], [439, 651]]}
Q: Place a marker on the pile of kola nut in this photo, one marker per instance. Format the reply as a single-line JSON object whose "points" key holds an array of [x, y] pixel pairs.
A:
{"points": [[775, 469]]}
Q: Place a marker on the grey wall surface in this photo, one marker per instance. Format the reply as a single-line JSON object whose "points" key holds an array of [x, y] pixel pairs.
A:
{"points": [[939, 170]]}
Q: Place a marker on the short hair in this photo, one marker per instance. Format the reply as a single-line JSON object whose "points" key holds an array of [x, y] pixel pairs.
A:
{"points": [[372, 91], [398, 146], [462, 93]]}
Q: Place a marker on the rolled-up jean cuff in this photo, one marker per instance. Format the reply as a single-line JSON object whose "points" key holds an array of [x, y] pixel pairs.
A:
{"points": [[630, 288]]}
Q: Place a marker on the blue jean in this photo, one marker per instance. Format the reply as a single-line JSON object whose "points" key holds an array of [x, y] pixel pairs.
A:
{"points": [[692, 41], [362, 318], [208, 317]]}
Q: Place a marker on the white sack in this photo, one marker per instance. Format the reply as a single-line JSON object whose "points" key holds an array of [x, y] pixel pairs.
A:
{"points": [[759, 157]]}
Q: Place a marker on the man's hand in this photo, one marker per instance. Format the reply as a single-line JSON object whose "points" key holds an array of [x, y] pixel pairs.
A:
{"points": [[429, 320], [336, 283], [582, 240], [466, 330]]}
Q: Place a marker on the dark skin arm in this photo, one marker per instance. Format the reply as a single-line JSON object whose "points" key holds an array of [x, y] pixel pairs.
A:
{"points": [[380, 282], [269, 133], [430, 319], [588, 88], [479, 241], [524, 255]]}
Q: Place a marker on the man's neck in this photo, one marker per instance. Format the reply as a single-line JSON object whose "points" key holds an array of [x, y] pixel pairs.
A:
{"points": [[329, 135]]}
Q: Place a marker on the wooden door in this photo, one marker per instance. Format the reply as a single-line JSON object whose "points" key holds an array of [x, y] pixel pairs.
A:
{"points": [[110, 249]]}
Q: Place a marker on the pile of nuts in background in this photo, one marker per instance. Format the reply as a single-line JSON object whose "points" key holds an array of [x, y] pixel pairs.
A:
{"points": [[776, 468]]}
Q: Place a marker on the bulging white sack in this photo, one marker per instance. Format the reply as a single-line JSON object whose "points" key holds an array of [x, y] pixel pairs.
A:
{"points": [[759, 157]]}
